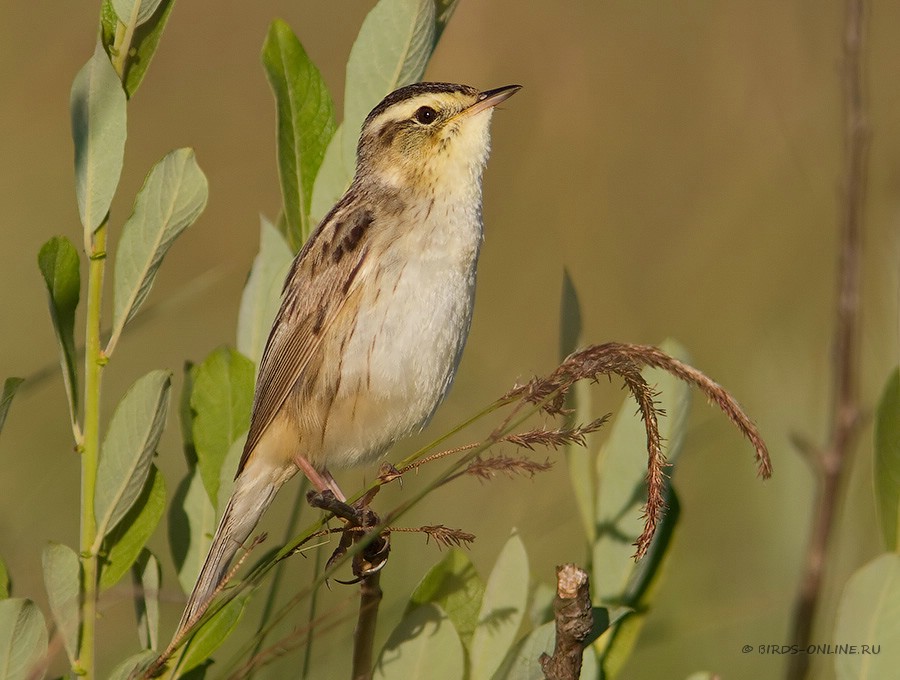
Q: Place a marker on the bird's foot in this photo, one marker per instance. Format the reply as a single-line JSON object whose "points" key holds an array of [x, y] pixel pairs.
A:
{"points": [[360, 519]]}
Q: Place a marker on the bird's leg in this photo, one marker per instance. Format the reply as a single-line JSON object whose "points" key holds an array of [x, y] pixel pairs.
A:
{"points": [[321, 480]]}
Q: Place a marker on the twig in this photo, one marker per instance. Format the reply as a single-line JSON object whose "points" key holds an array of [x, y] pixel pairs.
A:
{"points": [[574, 619], [845, 407]]}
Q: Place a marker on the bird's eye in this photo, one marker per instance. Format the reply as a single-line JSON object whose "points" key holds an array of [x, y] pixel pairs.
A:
{"points": [[425, 115]]}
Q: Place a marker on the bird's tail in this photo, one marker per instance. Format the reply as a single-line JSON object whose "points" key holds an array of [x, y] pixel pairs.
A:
{"points": [[252, 494]]}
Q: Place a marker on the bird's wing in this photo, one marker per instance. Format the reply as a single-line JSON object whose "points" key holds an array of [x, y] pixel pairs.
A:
{"points": [[321, 279]]}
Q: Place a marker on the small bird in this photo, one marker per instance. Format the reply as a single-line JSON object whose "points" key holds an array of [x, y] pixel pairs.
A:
{"points": [[375, 310]]}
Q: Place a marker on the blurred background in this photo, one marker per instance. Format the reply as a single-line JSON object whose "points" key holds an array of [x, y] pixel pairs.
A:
{"points": [[681, 160]]}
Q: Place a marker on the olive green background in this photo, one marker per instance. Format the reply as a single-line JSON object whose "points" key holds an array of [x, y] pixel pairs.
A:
{"points": [[682, 160]]}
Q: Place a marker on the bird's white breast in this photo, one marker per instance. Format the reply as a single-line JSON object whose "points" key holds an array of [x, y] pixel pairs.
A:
{"points": [[414, 316]]}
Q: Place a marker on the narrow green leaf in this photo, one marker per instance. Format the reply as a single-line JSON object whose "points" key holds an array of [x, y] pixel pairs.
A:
{"points": [[147, 576], [212, 634], [23, 639], [5, 583], [454, 584], [868, 617], [143, 42], [222, 397], [97, 106], [443, 11], [887, 462], [621, 478], [617, 644], [392, 49], [579, 459], [305, 124], [502, 609], [128, 448], [173, 196], [133, 665], [10, 385], [139, 10], [59, 265], [423, 645], [523, 663], [186, 414], [124, 543], [192, 521], [262, 294], [62, 578]]}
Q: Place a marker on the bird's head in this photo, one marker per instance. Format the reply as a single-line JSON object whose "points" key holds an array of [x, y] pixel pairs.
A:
{"points": [[428, 135]]}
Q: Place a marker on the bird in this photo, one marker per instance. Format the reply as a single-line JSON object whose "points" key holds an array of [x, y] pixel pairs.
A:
{"points": [[375, 309]]}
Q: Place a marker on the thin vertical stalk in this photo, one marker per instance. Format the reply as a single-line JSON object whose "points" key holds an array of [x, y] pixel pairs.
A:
{"points": [[833, 459], [94, 361], [370, 595], [90, 455]]}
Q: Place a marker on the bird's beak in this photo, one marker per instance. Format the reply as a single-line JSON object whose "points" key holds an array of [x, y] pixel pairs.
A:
{"points": [[490, 98]]}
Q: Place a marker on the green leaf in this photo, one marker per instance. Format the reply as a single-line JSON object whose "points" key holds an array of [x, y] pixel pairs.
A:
{"points": [[887, 462], [869, 615], [454, 584], [124, 543], [502, 609], [97, 106], [128, 448], [579, 459], [229, 467], [5, 584], [212, 634], [131, 666], [523, 663], [626, 622], [10, 385], [59, 265], [621, 478], [23, 639], [143, 42], [147, 575], [305, 124], [134, 11], [423, 645], [192, 521], [221, 399], [332, 179], [392, 49], [262, 294], [62, 578], [173, 196]]}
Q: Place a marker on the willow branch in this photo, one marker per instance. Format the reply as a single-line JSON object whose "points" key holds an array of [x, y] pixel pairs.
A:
{"points": [[833, 458]]}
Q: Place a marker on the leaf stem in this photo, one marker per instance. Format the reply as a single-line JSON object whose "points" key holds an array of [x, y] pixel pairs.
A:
{"points": [[93, 370]]}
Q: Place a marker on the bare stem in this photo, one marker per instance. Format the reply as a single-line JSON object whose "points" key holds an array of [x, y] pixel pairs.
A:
{"points": [[834, 457], [370, 595]]}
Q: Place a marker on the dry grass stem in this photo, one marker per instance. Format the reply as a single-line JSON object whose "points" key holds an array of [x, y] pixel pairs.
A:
{"points": [[487, 468], [154, 669], [626, 361]]}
